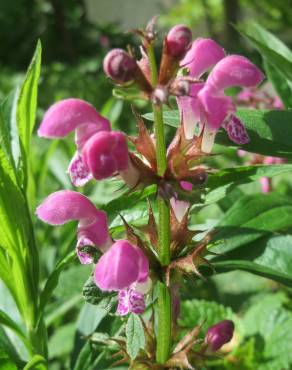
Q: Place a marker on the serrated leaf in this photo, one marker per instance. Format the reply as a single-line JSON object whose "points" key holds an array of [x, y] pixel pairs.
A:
{"points": [[270, 257], [93, 295], [195, 312], [250, 218], [245, 174], [134, 335], [267, 136], [270, 324]]}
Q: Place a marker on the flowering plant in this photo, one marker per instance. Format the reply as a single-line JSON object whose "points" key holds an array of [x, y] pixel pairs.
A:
{"points": [[139, 270]]}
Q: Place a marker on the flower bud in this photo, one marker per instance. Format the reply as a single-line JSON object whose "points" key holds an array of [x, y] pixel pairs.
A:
{"points": [[219, 334], [119, 66], [178, 41], [105, 154]]}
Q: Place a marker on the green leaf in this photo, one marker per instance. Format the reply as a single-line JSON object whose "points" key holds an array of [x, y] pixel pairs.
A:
{"points": [[270, 324], [245, 174], [267, 136], [53, 280], [27, 102], [36, 363], [128, 201], [195, 312], [270, 47], [250, 218], [93, 295], [89, 318], [270, 256], [62, 341], [134, 335], [282, 86], [9, 323]]}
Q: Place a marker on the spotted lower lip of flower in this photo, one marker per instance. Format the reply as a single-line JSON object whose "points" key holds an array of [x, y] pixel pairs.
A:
{"points": [[65, 206], [236, 130], [121, 266], [130, 301]]}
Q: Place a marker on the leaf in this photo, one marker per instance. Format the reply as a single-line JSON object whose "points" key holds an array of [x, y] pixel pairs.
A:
{"points": [[53, 280], [271, 325], [8, 322], [270, 47], [270, 256], [36, 363], [195, 312], [134, 335], [245, 174], [250, 218], [61, 342], [128, 201], [89, 318], [282, 86], [267, 136], [27, 102], [93, 295]]}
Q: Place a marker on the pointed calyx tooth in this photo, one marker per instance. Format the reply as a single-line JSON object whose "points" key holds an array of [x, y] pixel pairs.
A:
{"points": [[190, 263], [150, 230], [144, 143], [183, 157]]}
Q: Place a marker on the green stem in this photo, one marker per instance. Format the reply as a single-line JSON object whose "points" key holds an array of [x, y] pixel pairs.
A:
{"points": [[163, 337]]}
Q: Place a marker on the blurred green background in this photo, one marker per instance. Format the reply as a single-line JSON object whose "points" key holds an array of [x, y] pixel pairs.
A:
{"points": [[76, 34]]}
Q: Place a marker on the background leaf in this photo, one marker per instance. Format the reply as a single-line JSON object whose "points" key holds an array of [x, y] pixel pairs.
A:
{"points": [[134, 335]]}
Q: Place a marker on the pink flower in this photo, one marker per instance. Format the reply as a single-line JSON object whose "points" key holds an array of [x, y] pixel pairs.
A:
{"points": [[180, 207], [106, 154], [203, 55], [208, 107], [120, 267], [66, 205], [76, 115]]}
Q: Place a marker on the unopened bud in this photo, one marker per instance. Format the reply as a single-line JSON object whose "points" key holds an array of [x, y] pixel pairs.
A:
{"points": [[160, 95], [178, 41], [219, 334], [119, 66]]}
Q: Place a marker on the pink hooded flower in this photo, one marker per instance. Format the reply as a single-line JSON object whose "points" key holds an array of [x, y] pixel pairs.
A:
{"points": [[76, 115], [106, 153], [124, 268], [203, 55], [120, 267], [66, 205], [207, 106]]}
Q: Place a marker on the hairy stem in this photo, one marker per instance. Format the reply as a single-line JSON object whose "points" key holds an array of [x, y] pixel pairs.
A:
{"points": [[163, 338]]}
